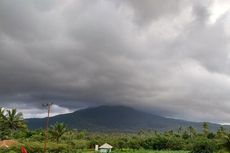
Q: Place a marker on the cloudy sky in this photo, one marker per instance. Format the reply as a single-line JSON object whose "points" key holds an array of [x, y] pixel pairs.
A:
{"points": [[166, 57]]}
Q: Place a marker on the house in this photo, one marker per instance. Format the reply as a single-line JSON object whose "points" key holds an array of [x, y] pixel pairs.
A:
{"points": [[105, 148], [7, 143]]}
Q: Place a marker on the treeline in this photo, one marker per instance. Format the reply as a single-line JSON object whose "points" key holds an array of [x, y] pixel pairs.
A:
{"points": [[63, 140]]}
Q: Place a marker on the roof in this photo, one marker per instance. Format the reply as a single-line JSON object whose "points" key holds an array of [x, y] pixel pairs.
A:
{"points": [[106, 146], [7, 143]]}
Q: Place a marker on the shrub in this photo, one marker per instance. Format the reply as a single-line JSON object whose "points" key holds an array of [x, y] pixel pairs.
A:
{"points": [[7, 151], [79, 144], [134, 144], [155, 143], [175, 143], [211, 135], [203, 146]]}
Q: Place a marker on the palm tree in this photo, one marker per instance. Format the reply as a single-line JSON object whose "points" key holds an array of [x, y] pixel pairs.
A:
{"points": [[57, 131], [1, 111], [14, 120], [1, 115], [2, 124], [10, 121]]}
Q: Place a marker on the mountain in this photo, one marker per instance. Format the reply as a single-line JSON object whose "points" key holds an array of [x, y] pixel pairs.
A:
{"points": [[116, 118]]}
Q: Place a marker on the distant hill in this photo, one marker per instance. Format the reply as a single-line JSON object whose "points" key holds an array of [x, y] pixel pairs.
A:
{"points": [[116, 118]]}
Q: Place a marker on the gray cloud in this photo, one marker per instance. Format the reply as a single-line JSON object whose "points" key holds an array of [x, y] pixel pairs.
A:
{"points": [[147, 11], [161, 57]]}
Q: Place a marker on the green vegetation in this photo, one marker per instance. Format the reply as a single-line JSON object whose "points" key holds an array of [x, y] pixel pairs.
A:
{"points": [[149, 151], [64, 140], [57, 130], [11, 122]]}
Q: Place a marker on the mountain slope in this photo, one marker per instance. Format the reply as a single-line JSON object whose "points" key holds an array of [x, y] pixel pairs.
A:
{"points": [[115, 118]]}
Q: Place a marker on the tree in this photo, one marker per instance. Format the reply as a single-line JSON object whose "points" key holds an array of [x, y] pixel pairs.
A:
{"points": [[3, 129], [192, 131], [226, 143], [221, 132], [180, 129], [10, 121], [2, 112], [185, 135], [14, 120], [57, 131], [205, 129]]}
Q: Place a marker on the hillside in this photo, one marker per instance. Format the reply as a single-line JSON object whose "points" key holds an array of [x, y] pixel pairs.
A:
{"points": [[116, 118]]}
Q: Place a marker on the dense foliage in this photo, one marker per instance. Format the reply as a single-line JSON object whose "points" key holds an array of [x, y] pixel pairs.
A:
{"points": [[11, 122], [64, 140]]}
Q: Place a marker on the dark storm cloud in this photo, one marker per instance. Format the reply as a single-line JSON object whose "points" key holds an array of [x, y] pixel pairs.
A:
{"points": [[161, 57]]}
